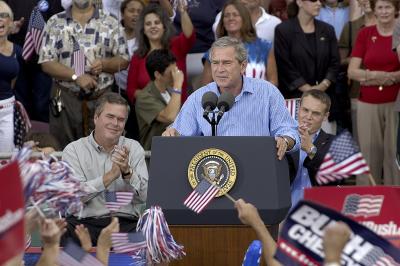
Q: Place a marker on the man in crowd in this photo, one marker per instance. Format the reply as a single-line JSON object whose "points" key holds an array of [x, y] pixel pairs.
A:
{"points": [[159, 102], [82, 49], [259, 108], [304, 165], [107, 161]]}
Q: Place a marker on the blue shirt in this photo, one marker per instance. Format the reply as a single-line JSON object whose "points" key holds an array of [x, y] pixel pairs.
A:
{"points": [[259, 110], [9, 68], [337, 17], [302, 180]]}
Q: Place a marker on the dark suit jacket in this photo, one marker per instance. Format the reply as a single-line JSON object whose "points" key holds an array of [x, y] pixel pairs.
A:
{"points": [[297, 62], [322, 143]]}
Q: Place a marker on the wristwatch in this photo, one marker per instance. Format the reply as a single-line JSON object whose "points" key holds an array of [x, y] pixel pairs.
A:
{"points": [[130, 172], [74, 77], [174, 90], [313, 151]]}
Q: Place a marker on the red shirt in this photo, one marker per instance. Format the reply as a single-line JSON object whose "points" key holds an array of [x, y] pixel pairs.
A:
{"points": [[376, 53], [138, 76]]}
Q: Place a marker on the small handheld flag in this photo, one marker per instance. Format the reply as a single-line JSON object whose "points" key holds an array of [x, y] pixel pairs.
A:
{"points": [[34, 34], [78, 59], [342, 160], [116, 200], [128, 242], [201, 196], [73, 255]]}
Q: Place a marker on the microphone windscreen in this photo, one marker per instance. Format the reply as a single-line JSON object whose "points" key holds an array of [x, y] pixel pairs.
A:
{"points": [[209, 99], [226, 99]]}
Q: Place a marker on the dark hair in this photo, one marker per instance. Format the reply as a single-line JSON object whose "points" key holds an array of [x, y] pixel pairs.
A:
{"points": [[319, 95], [292, 9], [44, 139], [395, 3], [159, 60], [125, 3], [247, 31], [112, 98], [142, 40]]}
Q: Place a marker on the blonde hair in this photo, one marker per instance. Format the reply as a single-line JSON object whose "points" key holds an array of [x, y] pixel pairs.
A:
{"points": [[7, 9]]}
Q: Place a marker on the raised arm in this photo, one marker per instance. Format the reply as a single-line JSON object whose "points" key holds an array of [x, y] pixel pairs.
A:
{"points": [[248, 215], [186, 22]]}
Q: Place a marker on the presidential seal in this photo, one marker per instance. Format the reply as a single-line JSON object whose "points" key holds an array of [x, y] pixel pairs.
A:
{"points": [[215, 165]]}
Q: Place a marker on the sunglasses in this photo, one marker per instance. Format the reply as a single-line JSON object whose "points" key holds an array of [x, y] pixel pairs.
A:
{"points": [[4, 15]]}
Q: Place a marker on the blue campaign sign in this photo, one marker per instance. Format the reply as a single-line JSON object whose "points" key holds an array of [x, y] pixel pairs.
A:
{"points": [[300, 241]]}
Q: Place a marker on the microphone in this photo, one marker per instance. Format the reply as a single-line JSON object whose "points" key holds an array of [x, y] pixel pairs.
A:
{"points": [[209, 102], [224, 104]]}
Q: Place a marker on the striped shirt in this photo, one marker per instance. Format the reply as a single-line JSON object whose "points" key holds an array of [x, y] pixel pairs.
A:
{"points": [[259, 110]]}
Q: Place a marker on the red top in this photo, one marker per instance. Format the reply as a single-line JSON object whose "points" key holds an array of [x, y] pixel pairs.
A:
{"points": [[138, 76], [376, 53]]}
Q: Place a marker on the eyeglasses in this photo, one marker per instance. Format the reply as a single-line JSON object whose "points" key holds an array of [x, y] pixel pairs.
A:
{"points": [[4, 15]]}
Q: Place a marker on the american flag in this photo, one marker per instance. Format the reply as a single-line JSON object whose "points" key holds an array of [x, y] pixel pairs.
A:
{"points": [[115, 200], [293, 106], [78, 59], [73, 255], [377, 257], [34, 34], [128, 242], [362, 205], [203, 193], [342, 160]]}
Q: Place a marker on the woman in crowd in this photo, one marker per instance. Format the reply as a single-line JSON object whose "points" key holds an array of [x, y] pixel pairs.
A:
{"points": [[9, 68], [236, 22], [155, 31], [306, 51], [377, 68], [130, 11]]}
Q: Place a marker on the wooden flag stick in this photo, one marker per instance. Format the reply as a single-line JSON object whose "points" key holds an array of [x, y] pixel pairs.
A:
{"points": [[36, 206], [230, 197], [371, 180]]}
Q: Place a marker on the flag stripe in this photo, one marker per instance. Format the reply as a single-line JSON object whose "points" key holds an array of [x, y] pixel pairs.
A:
{"points": [[201, 196]]}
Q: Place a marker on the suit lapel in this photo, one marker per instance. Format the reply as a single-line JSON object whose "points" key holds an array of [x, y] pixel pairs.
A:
{"points": [[322, 139], [301, 36], [321, 40]]}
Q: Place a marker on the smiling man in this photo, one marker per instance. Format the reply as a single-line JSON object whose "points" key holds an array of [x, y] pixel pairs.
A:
{"points": [[107, 161], [259, 108]]}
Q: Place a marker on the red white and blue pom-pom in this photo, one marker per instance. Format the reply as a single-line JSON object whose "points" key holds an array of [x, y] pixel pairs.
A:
{"points": [[161, 246], [50, 182]]}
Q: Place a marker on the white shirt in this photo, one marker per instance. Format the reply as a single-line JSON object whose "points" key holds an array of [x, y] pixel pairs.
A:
{"points": [[265, 25]]}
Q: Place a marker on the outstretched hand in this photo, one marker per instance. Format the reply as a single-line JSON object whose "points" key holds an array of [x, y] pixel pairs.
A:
{"points": [[84, 237]]}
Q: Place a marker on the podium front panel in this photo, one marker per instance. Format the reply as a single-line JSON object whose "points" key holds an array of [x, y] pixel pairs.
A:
{"points": [[261, 179]]}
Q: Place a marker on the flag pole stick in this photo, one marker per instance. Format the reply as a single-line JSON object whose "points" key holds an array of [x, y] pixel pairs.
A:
{"points": [[371, 180], [226, 194], [35, 205], [230, 197]]}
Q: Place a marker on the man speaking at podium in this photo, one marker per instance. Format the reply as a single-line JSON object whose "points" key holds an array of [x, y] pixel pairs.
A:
{"points": [[257, 107]]}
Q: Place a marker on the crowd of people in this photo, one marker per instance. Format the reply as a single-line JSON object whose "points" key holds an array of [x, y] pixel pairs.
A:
{"points": [[110, 75]]}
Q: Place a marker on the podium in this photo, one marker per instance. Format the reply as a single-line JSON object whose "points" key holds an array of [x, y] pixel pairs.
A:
{"points": [[261, 179]]}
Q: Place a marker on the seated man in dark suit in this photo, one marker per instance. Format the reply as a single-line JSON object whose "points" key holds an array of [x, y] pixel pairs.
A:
{"points": [[303, 165], [158, 104]]}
